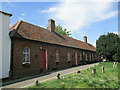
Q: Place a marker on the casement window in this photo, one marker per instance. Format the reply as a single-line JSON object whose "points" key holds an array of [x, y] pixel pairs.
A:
{"points": [[83, 54], [95, 57], [90, 56], [26, 55], [57, 56], [68, 56], [80, 56]]}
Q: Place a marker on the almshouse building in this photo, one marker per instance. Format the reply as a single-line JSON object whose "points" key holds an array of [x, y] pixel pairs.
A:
{"points": [[35, 50]]}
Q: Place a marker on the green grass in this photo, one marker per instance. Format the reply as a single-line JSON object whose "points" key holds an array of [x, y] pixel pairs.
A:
{"points": [[85, 79]]}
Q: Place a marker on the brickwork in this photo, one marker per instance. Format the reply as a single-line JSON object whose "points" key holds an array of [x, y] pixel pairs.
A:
{"points": [[35, 67]]}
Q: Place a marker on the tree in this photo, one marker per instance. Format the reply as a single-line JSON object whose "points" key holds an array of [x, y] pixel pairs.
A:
{"points": [[108, 46], [61, 30], [116, 56]]}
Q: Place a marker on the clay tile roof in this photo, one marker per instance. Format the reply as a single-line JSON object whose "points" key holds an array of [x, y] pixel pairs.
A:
{"points": [[32, 32]]}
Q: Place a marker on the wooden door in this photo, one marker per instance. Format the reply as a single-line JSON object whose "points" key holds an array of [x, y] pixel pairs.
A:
{"points": [[43, 54], [75, 58]]}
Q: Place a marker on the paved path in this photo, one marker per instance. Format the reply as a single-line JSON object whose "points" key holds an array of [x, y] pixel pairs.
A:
{"points": [[52, 75]]}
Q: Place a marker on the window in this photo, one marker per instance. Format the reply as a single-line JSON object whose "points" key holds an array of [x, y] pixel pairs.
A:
{"points": [[26, 55], [90, 56], [95, 57], [57, 56], [83, 53], [68, 56], [80, 56]]}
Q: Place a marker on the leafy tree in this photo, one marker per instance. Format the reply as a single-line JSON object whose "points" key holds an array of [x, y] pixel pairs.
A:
{"points": [[108, 46], [61, 30], [116, 56]]}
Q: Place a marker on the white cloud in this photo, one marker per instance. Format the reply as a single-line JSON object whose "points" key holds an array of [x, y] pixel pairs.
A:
{"points": [[116, 33], [75, 15], [23, 14], [94, 44], [49, 10]]}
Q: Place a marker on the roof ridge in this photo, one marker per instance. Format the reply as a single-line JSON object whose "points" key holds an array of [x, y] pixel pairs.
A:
{"points": [[35, 25], [15, 26]]}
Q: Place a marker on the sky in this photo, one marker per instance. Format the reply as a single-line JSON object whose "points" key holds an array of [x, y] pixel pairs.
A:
{"points": [[81, 18]]}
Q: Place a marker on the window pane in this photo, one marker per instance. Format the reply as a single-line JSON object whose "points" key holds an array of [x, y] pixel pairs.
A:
{"points": [[26, 54], [57, 55], [68, 56], [80, 56]]}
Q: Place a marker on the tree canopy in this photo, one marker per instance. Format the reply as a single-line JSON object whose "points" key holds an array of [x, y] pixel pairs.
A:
{"points": [[108, 46], [61, 30]]}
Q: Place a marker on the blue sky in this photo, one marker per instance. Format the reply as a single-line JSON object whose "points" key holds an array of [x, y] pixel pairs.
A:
{"points": [[84, 18]]}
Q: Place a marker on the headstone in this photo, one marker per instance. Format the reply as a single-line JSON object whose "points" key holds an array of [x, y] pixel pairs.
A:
{"points": [[103, 69], [58, 76], [36, 82], [89, 67], [78, 71], [93, 71], [114, 64]]}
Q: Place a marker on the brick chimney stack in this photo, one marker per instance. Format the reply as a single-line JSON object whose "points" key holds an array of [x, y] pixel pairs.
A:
{"points": [[85, 39], [51, 25]]}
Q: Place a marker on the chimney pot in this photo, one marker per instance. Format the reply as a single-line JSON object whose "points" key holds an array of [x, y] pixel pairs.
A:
{"points": [[85, 39], [51, 25]]}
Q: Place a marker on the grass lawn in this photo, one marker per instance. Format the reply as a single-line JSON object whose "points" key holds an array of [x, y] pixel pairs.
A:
{"points": [[85, 79]]}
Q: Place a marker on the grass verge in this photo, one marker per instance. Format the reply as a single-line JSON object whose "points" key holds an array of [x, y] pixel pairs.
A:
{"points": [[85, 79]]}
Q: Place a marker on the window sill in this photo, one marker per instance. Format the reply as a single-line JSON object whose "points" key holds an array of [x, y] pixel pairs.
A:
{"points": [[26, 63], [57, 63], [68, 61]]}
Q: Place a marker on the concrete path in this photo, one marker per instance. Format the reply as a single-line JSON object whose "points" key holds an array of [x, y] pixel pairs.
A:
{"points": [[52, 75]]}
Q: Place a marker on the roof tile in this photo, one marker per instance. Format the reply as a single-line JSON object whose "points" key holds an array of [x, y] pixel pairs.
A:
{"points": [[33, 32]]}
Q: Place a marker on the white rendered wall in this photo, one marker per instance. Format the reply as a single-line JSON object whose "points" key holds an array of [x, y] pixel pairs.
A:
{"points": [[5, 45], [0, 45]]}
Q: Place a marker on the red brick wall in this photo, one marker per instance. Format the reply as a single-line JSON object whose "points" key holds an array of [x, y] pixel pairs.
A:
{"points": [[19, 70]]}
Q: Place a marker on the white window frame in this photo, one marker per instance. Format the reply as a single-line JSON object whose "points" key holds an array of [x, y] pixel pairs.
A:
{"points": [[68, 57], [90, 56], [80, 56], [57, 56], [83, 53], [26, 55], [76, 58]]}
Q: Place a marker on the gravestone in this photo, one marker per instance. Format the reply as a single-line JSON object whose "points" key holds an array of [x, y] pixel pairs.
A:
{"points": [[78, 71], [93, 71], [58, 76], [103, 69], [36, 82]]}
